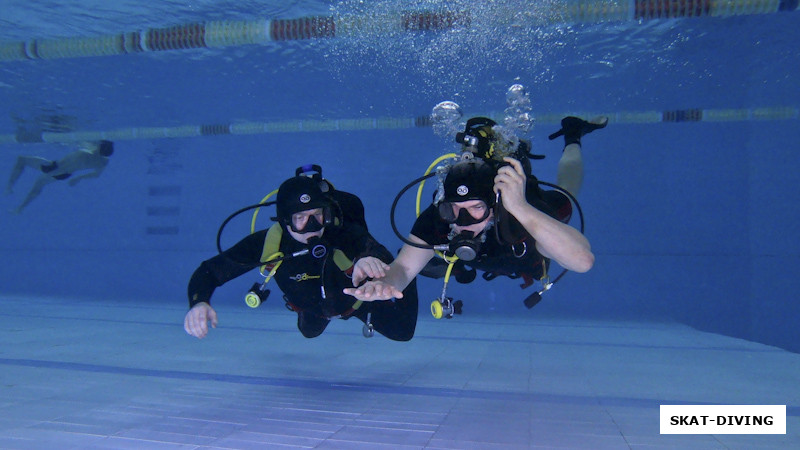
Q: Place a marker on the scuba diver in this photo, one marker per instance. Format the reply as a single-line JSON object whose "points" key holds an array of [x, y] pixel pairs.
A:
{"points": [[94, 158], [491, 215], [324, 234]]}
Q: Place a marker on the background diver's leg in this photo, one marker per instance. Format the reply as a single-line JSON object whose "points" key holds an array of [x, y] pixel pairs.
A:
{"points": [[23, 162], [41, 182], [570, 169], [570, 166]]}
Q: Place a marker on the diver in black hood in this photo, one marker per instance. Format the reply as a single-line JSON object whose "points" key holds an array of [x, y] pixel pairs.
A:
{"points": [[318, 245], [490, 215]]}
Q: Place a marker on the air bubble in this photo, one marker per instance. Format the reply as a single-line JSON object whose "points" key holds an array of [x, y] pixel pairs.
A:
{"points": [[446, 119]]}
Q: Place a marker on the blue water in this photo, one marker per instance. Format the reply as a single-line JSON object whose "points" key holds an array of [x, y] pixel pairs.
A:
{"points": [[694, 222]]}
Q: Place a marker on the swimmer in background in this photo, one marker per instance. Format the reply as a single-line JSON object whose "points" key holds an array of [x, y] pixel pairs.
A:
{"points": [[92, 158]]}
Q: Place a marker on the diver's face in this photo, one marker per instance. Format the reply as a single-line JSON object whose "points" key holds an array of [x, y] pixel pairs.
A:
{"points": [[301, 219], [476, 209]]}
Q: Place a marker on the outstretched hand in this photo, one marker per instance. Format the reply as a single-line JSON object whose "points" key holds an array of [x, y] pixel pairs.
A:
{"points": [[368, 267], [196, 321], [374, 290]]}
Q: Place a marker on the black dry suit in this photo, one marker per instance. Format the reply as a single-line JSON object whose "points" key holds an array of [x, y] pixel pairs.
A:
{"points": [[513, 255], [312, 283]]}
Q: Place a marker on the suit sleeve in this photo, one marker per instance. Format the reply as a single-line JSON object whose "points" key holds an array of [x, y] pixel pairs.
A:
{"points": [[232, 263]]}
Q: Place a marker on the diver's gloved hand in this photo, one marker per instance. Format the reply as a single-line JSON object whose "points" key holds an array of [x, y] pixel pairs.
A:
{"points": [[573, 128]]}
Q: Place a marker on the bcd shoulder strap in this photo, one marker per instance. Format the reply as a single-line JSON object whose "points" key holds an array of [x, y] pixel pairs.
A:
{"points": [[272, 243]]}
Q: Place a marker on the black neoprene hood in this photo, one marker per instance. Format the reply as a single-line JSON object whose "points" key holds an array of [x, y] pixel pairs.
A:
{"points": [[298, 194], [470, 180]]}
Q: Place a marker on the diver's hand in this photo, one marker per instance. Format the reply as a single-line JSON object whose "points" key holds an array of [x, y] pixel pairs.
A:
{"points": [[510, 182], [368, 267], [374, 290], [196, 321]]}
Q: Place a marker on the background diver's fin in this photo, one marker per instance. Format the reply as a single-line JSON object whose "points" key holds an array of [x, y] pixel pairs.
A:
{"points": [[573, 128]]}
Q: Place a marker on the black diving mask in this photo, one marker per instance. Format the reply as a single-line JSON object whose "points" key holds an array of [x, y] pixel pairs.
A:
{"points": [[312, 223], [464, 218]]}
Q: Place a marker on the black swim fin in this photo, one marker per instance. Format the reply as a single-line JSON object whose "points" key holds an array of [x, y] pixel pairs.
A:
{"points": [[574, 128]]}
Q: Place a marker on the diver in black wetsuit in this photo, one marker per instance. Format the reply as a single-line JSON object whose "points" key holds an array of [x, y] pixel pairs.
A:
{"points": [[93, 158], [516, 236], [327, 232]]}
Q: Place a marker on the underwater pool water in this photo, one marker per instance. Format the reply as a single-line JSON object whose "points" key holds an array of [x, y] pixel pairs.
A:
{"points": [[688, 198]]}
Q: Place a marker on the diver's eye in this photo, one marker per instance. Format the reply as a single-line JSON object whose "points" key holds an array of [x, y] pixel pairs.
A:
{"points": [[477, 210], [299, 220]]}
